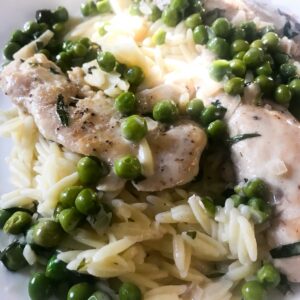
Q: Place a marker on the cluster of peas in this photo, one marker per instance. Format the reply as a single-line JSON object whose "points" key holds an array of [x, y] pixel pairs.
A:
{"points": [[266, 277], [45, 19], [75, 204], [92, 8], [251, 53], [253, 194]]}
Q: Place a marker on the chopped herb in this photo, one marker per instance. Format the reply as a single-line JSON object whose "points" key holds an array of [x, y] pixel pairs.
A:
{"points": [[288, 31], [240, 137], [284, 285], [39, 45], [61, 110], [81, 265], [54, 71], [192, 234], [212, 15], [291, 28], [90, 69], [215, 275]]}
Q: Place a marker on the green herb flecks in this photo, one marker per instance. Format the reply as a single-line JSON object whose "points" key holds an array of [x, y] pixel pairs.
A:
{"points": [[62, 111], [240, 137]]}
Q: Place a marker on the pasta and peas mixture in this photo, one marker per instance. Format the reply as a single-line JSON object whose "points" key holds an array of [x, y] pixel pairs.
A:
{"points": [[91, 241]]}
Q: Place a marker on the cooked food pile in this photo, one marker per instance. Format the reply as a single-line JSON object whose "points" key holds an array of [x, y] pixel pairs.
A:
{"points": [[155, 151]]}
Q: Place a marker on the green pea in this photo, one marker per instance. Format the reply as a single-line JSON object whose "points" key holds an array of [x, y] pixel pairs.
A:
{"points": [[268, 275], [4, 216], [255, 188], [271, 41], [238, 33], [134, 76], [46, 233], [17, 223], [129, 291], [99, 296], [87, 202], [159, 37], [165, 111], [155, 14], [257, 44], [209, 114], [179, 4], [40, 287], [44, 16], [128, 167], [239, 46], [69, 219], [283, 94], [85, 41], [200, 35], [10, 49], [45, 52], [20, 38], [68, 195], [219, 69], [103, 7], [56, 269], [80, 291], [234, 86], [266, 29], [31, 27], [237, 200], [79, 50], [265, 69], [88, 8], [238, 67], [217, 129], [61, 14], [195, 108], [63, 60], [126, 103], [134, 128], [221, 27], [219, 46], [281, 58], [253, 290], [287, 71], [12, 257], [121, 69], [106, 61], [193, 21], [209, 206], [295, 87], [240, 55], [254, 57], [250, 30], [257, 203], [266, 84], [90, 170], [170, 17]]}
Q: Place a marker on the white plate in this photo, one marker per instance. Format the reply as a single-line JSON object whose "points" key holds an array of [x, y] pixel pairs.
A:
{"points": [[13, 14]]}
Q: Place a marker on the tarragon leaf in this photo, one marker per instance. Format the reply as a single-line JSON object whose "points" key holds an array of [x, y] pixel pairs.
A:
{"points": [[240, 137], [62, 111]]}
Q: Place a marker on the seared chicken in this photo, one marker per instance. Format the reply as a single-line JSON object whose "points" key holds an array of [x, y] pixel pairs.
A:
{"points": [[37, 84]]}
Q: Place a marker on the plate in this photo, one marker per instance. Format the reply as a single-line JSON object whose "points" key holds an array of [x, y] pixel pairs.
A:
{"points": [[14, 13]]}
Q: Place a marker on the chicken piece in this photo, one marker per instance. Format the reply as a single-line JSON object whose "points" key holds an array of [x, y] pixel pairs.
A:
{"points": [[35, 88], [37, 84], [273, 157], [176, 163]]}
